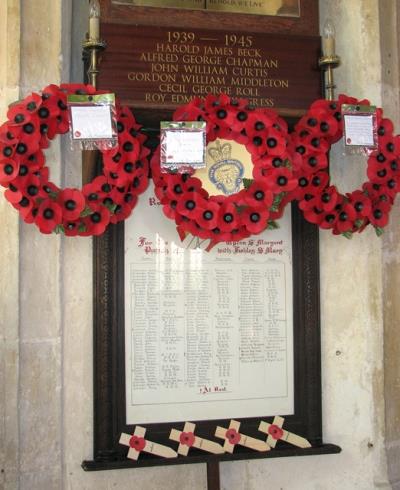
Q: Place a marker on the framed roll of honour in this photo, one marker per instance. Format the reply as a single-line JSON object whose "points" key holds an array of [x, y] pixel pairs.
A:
{"points": [[227, 339]]}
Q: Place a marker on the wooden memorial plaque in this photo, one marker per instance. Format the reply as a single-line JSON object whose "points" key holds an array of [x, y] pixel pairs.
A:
{"points": [[163, 68], [144, 342]]}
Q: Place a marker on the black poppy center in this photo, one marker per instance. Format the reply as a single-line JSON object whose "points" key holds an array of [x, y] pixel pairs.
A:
{"points": [[106, 188], [48, 213], [21, 148], [32, 190], [381, 158], [378, 214], [70, 205], [301, 150], [303, 182], [93, 196], [128, 146], [271, 142], [178, 189], [282, 180], [29, 128], [19, 118], [312, 122], [221, 114], [242, 116], [359, 206], [208, 215], [259, 195], [8, 169], [255, 217], [96, 217], [23, 170], [128, 167], [257, 141], [259, 126], [43, 112], [7, 152], [228, 218], [325, 198], [190, 205]]}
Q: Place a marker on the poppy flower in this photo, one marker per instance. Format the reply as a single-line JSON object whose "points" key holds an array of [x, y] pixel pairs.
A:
{"points": [[271, 161], [8, 171], [258, 194], [137, 443], [72, 202], [315, 215], [379, 214], [207, 218], [33, 189], [123, 210], [361, 203], [321, 122], [275, 432], [228, 218], [98, 189], [233, 436], [280, 180], [9, 134], [385, 127], [78, 88], [72, 228], [328, 220], [49, 215], [96, 222], [255, 219], [21, 113], [189, 112], [187, 438], [190, 205], [346, 218]]}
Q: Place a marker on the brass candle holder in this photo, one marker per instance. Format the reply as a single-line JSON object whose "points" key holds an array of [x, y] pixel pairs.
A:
{"points": [[329, 59], [92, 46]]}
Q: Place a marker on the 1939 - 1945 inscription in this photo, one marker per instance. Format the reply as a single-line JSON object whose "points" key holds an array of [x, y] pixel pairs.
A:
{"points": [[161, 67]]}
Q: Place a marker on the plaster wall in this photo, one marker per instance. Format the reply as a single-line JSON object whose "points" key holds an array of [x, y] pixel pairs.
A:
{"points": [[46, 301]]}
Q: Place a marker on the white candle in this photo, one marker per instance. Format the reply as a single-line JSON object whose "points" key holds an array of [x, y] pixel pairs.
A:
{"points": [[328, 39], [94, 20]]}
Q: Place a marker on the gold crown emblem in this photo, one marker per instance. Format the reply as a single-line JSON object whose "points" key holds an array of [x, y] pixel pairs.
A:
{"points": [[220, 152]]}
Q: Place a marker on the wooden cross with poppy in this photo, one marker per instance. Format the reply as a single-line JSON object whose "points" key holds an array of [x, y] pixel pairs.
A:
{"points": [[232, 437], [187, 439], [137, 443], [276, 433]]}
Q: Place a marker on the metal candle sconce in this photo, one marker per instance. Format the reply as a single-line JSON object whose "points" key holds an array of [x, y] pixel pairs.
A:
{"points": [[329, 59], [93, 44]]}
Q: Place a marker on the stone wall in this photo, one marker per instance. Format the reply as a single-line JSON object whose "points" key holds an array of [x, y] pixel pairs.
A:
{"points": [[46, 297]]}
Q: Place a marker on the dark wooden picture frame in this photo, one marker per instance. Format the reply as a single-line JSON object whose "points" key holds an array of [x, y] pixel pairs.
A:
{"points": [[109, 334], [109, 362], [306, 24]]}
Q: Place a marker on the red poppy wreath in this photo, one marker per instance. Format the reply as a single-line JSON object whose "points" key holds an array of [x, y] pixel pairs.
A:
{"points": [[250, 210], [35, 121], [320, 201]]}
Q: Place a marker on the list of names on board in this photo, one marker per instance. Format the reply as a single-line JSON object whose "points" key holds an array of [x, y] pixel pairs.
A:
{"points": [[207, 334]]}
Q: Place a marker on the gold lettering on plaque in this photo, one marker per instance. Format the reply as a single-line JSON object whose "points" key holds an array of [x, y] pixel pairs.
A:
{"points": [[289, 8]]}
